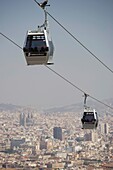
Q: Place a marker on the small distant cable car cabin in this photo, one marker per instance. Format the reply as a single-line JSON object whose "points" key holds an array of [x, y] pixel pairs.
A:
{"points": [[38, 48], [90, 119]]}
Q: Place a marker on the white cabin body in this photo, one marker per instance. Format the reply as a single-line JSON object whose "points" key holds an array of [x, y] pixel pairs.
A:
{"points": [[90, 119], [38, 48]]}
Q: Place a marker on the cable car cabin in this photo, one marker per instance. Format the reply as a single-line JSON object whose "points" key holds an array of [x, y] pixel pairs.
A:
{"points": [[38, 49], [90, 119]]}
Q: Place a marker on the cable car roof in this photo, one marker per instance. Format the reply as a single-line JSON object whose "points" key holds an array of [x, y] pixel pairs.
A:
{"points": [[89, 110], [35, 32]]}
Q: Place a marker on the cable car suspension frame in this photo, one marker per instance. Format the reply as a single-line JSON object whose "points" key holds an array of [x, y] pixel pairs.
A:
{"points": [[38, 48]]}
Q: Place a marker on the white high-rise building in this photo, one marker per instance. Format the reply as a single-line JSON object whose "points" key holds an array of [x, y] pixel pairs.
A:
{"points": [[94, 136], [104, 127]]}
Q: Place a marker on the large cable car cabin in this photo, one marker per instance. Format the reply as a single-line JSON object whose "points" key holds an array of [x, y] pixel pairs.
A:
{"points": [[90, 119], [38, 48]]}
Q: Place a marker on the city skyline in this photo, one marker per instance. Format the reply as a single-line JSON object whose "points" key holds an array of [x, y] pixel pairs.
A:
{"points": [[34, 146]]}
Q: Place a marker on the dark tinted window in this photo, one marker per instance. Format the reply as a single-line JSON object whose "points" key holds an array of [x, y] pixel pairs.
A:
{"points": [[38, 43], [35, 41], [88, 116]]}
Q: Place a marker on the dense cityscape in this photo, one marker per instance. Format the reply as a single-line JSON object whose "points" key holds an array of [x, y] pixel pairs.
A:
{"points": [[30, 139]]}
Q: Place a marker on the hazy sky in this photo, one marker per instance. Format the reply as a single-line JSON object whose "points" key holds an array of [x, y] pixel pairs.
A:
{"points": [[91, 21]]}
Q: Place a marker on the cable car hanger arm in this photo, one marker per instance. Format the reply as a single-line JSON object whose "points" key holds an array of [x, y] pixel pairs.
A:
{"points": [[43, 5], [85, 98]]}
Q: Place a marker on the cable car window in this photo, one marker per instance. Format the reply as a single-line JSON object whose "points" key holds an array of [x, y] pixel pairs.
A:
{"points": [[29, 38], [38, 37], [28, 44], [89, 117], [38, 43]]}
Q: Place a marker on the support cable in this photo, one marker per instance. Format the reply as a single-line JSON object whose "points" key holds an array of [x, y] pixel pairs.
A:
{"points": [[11, 41], [62, 77], [77, 39], [69, 82]]}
